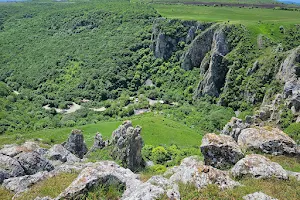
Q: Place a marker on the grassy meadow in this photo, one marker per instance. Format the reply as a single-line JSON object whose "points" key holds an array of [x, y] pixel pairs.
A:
{"points": [[156, 130], [257, 20]]}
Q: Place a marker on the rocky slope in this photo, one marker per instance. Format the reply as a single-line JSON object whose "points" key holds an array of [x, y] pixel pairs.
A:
{"points": [[232, 69], [28, 164]]}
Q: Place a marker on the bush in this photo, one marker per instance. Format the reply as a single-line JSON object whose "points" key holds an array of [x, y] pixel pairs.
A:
{"points": [[159, 155], [293, 130], [157, 169], [147, 152]]}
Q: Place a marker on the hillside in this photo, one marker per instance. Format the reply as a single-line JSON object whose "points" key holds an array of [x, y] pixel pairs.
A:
{"points": [[111, 99]]}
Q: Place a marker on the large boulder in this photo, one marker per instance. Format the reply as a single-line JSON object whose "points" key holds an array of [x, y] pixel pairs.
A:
{"points": [[193, 171], [258, 166], [58, 152], [33, 162], [220, 151], [268, 140], [9, 167], [106, 173], [127, 146], [258, 196], [76, 144], [234, 128]]}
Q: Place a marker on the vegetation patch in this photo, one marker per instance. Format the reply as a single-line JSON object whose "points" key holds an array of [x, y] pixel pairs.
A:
{"points": [[5, 194], [51, 187]]}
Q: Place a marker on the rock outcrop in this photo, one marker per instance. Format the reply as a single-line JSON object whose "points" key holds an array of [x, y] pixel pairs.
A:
{"points": [[22, 183], [268, 140], [165, 42], [289, 74], [99, 143], [58, 152], [234, 128], [199, 47], [193, 171], [33, 162], [258, 166], [9, 167], [220, 151], [214, 77], [76, 144], [127, 146], [258, 196]]}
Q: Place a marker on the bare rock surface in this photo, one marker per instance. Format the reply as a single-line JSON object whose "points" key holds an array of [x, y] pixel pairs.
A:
{"points": [[76, 144], [22, 183], [127, 146], [258, 196], [258, 166], [193, 171], [58, 152], [234, 128], [220, 151], [9, 167], [33, 162], [268, 140]]}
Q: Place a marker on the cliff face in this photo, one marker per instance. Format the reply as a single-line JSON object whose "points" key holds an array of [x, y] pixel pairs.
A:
{"points": [[231, 68]]}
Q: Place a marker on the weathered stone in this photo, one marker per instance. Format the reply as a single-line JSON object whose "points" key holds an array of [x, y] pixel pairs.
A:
{"points": [[32, 162], [169, 186], [258, 166], [58, 152], [193, 171], [234, 128], [104, 173], [214, 77], [258, 196], [99, 143], [127, 146], [22, 183], [220, 151], [294, 174], [76, 144], [268, 140], [13, 149], [199, 47], [9, 167]]}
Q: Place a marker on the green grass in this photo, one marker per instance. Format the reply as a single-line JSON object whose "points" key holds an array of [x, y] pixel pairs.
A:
{"points": [[5, 194], [279, 189], [51, 187], [219, 1], [257, 20], [156, 130], [288, 163]]}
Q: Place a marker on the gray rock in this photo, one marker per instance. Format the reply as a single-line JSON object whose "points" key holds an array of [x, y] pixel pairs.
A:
{"points": [[43, 198], [20, 184], [258, 196], [76, 144], [169, 186], [105, 173], [220, 151], [258, 166], [254, 68], [99, 143], [127, 146], [214, 77], [294, 174], [199, 47], [234, 128], [32, 162], [9, 167], [193, 171], [268, 140], [58, 152], [13, 149]]}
